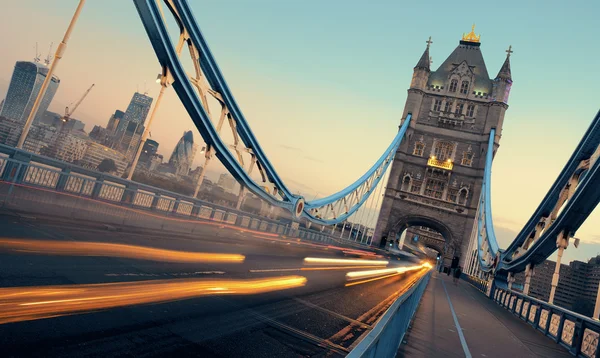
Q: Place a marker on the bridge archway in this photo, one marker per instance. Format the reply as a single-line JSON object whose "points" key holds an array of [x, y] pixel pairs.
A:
{"points": [[448, 247]]}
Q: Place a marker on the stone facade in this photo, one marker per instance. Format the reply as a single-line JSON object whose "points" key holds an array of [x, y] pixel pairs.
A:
{"points": [[436, 177]]}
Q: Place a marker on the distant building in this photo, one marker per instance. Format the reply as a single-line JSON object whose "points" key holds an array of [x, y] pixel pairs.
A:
{"points": [[114, 121], [95, 153], [148, 151], [155, 161], [127, 141], [183, 154], [51, 119], [138, 108], [25, 84], [75, 125], [10, 130], [577, 285], [39, 137], [69, 146], [195, 174], [136, 112], [101, 135], [226, 182]]}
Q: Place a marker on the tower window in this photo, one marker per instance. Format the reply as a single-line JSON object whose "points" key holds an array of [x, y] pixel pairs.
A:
{"points": [[447, 106], [464, 87], [453, 85], [435, 188], [419, 148], [467, 159], [416, 187], [452, 195], [463, 195], [459, 108], [470, 110], [437, 106], [406, 183], [443, 150]]}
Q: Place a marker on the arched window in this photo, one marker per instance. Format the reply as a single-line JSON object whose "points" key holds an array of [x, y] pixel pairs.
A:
{"points": [[459, 108], [447, 106], [453, 85], [406, 183], [419, 149], [463, 195], [464, 87], [470, 110], [443, 150]]}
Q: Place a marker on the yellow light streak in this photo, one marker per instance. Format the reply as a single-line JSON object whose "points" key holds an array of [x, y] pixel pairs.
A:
{"points": [[317, 260], [370, 280], [79, 248], [312, 268], [51, 301], [355, 275]]}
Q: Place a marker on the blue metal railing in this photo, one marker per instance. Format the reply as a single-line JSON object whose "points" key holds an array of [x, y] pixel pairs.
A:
{"points": [[577, 333], [46, 177], [385, 337]]}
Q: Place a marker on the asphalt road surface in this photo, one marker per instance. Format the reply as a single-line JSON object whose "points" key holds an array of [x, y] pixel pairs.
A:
{"points": [[73, 291]]}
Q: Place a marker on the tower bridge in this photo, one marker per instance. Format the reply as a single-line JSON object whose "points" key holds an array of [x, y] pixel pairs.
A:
{"points": [[346, 294]]}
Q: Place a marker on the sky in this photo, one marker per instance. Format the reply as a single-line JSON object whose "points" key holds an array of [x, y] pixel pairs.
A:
{"points": [[323, 83]]}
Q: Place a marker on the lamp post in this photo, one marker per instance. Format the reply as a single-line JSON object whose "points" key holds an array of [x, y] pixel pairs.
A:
{"points": [[203, 170], [60, 50], [164, 82]]}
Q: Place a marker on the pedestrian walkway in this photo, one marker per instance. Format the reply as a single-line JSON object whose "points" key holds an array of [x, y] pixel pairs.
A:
{"points": [[460, 321]]}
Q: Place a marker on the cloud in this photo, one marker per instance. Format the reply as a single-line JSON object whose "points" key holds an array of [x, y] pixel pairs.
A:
{"points": [[295, 149], [592, 239], [313, 159]]}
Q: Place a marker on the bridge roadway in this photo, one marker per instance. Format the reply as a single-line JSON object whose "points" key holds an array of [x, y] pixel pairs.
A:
{"points": [[486, 329], [318, 319]]}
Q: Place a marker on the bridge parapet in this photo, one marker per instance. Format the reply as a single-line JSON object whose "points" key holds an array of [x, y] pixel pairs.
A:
{"points": [[577, 333]]}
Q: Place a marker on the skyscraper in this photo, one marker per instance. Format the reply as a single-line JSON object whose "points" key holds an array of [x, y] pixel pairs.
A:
{"points": [[136, 112], [148, 151], [24, 88], [183, 154], [114, 121]]}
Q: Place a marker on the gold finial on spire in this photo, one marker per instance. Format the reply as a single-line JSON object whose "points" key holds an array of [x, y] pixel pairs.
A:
{"points": [[509, 51], [429, 42], [471, 37]]}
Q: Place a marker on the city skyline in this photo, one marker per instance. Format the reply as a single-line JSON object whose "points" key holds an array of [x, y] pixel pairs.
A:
{"points": [[534, 102]]}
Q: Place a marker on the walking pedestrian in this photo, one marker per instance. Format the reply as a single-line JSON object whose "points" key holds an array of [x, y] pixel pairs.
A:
{"points": [[456, 275]]}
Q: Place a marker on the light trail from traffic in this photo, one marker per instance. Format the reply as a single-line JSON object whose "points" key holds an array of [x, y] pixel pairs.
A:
{"points": [[79, 248], [31, 303], [319, 260], [382, 273]]}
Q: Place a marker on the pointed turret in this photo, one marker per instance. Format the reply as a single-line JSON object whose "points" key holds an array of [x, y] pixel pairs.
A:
{"points": [[421, 73], [424, 61], [503, 81], [504, 73]]}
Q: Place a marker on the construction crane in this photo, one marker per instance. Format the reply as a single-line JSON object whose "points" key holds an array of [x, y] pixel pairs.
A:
{"points": [[55, 146], [49, 57], [36, 59], [68, 113]]}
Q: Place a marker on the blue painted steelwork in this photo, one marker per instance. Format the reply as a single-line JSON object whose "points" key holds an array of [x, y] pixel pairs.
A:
{"points": [[574, 213], [487, 246], [328, 211], [582, 170]]}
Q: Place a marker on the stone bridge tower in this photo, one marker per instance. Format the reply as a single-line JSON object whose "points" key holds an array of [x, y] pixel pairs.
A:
{"points": [[436, 177]]}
